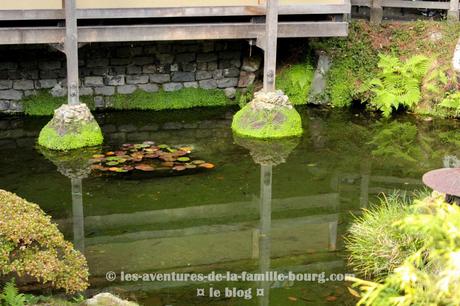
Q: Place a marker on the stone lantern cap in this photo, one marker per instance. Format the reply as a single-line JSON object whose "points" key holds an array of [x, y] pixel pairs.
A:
{"points": [[446, 180]]}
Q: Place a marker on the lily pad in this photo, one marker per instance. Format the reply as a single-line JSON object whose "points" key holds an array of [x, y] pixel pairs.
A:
{"points": [[183, 159], [144, 167], [110, 153], [179, 168], [198, 162], [98, 156], [206, 166], [112, 163]]}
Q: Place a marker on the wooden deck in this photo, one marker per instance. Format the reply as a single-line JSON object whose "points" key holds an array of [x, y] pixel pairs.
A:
{"points": [[138, 11]]}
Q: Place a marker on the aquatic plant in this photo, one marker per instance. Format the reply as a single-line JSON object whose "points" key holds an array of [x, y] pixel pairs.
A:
{"points": [[148, 157], [375, 245], [32, 246], [431, 274], [295, 82], [397, 83]]}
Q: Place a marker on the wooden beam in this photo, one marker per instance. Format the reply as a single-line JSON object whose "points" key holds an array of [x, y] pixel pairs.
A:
{"points": [[254, 10], [416, 4], [271, 39], [71, 51], [167, 32]]}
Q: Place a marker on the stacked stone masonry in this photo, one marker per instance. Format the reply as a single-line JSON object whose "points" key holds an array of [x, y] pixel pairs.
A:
{"points": [[122, 68]]}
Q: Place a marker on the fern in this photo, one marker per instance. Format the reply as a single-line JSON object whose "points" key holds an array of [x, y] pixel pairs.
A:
{"points": [[11, 296], [452, 101], [397, 83]]}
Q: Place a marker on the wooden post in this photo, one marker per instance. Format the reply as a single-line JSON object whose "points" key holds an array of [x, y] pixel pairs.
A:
{"points": [[376, 12], [271, 37], [71, 51], [452, 14]]}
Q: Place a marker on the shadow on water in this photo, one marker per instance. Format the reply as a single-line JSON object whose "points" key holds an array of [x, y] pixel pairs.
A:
{"points": [[277, 206]]}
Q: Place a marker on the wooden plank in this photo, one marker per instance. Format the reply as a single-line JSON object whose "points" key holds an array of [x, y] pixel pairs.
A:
{"points": [[168, 32], [71, 51], [416, 4], [111, 13], [367, 3]]}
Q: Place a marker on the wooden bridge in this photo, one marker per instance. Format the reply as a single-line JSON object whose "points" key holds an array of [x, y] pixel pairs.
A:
{"points": [[261, 21], [69, 24]]}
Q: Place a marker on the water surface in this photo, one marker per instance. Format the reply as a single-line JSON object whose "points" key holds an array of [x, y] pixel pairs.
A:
{"points": [[251, 213]]}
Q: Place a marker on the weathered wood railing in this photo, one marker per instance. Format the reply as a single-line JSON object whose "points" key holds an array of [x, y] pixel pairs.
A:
{"points": [[376, 7]]}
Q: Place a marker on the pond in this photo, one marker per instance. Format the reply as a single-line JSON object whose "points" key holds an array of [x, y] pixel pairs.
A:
{"points": [[252, 213]]}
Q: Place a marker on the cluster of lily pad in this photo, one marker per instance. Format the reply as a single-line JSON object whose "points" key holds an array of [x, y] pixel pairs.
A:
{"points": [[147, 157]]}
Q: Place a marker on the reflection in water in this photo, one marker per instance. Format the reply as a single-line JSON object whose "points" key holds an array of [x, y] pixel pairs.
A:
{"points": [[265, 227], [226, 219], [78, 216]]}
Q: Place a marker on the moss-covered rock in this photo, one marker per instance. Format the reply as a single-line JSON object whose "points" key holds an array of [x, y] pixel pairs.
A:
{"points": [[72, 127], [268, 116], [32, 246]]}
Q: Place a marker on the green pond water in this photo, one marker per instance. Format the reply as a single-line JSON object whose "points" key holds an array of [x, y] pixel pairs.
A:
{"points": [[252, 213]]}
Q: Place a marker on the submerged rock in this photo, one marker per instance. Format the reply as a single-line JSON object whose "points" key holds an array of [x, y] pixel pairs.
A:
{"points": [[72, 127], [268, 115], [107, 299]]}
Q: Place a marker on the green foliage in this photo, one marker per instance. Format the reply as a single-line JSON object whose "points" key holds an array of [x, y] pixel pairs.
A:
{"points": [[451, 102], [245, 97], [397, 83], [10, 295], [377, 247], [354, 61], [32, 246], [85, 136], [267, 124], [431, 274], [295, 82], [161, 100], [44, 104]]}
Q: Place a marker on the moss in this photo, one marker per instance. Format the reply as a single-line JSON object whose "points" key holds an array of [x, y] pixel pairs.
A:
{"points": [[161, 100], [44, 104], [295, 82], [85, 136], [267, 124]]}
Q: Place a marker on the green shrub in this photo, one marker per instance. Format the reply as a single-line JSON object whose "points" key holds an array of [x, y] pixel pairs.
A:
{"points": [[431, 274], [180, 99], [375, 245], [295, 82], [397, 83], [30, 245]]}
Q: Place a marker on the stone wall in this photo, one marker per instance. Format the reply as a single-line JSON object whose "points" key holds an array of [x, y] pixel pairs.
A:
{"points": [[122, 68]]}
